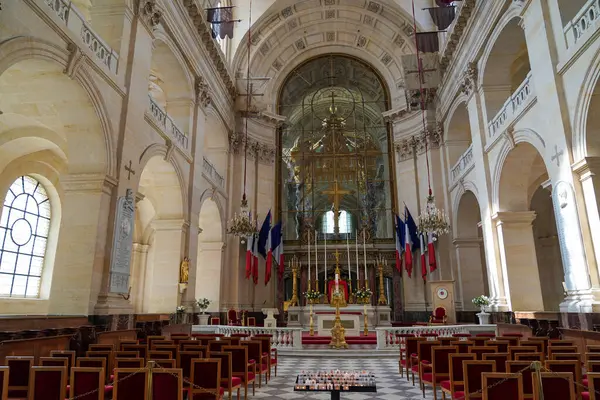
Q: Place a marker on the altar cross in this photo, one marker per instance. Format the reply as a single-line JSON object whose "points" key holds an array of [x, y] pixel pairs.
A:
{"points": [[336, 193]]}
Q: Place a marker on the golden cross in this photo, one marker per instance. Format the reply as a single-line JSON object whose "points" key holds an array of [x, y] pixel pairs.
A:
{"points": [[336, 193]]}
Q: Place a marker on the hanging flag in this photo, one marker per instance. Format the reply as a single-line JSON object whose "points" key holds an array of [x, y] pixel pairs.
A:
{"points": [[221, 20], [263, 235], [442, 16], [255, 259], [249, 243], [277, 248], [269, 261], [407, 249], [431, 253], [423, 260], [399, 242], [412, 229], [428, 42]]}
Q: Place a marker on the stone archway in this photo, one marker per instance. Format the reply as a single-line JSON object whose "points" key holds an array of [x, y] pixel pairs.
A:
{"points": [[470, 255], [458, 134], [521, 202], [210, 254], [158, 239]]}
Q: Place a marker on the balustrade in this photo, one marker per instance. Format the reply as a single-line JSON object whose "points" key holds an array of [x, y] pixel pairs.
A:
{"points": [[586, 20], [169, 128], [462, 165], [387, 339], [211, 173], [281, 338], [75, 22], [513, 106]]}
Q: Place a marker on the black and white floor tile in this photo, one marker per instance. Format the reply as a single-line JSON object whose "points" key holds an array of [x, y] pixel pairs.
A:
{"points": [[390, 386]]}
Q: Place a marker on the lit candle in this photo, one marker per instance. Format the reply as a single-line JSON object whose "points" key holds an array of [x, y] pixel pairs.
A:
{"points": [[309, 260], [365, 254], [357, 280], [316, 267]]}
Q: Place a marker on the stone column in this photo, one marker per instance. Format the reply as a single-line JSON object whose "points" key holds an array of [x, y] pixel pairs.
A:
{"points": [[517, 254], [138, 271], [471, 279], [162, 272], [208, 273]]}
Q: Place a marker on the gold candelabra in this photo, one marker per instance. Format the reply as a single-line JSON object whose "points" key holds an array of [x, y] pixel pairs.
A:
{"points": [[295, 267], [366, 319], [338, 333], [382, 301], [311, 332]]}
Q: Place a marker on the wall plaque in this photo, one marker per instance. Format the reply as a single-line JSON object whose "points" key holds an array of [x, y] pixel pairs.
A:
{"points": [[122, 243]]}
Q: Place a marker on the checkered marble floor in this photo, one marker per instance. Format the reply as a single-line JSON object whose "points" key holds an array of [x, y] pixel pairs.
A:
{"points": [[389, 384]]}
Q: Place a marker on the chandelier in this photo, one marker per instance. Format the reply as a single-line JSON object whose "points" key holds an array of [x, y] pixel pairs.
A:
{"points": [[433, 220], [242, 225]]}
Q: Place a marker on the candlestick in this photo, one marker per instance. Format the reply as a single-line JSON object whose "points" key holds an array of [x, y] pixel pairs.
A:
{"points": [[357, 275], [325, 279], [309, 282], [316, 265], [365, 250]]}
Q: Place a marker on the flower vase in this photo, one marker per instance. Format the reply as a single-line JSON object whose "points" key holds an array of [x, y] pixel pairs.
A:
{"points": [[203, 318], [179, 317], [484, 317]]}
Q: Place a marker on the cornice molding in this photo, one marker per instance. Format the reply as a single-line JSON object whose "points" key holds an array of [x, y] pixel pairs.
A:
{"points": [[457, 33], [203, 96], [469, 83], [410, 146], [149, 13], [263, 152]]}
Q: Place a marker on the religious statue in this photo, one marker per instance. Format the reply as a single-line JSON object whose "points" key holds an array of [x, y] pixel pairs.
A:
{"points": [[184, 270]]}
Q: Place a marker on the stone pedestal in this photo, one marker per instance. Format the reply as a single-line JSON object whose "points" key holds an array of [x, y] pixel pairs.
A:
{"points": [[270, 321], [203, 319], [484, 318]]}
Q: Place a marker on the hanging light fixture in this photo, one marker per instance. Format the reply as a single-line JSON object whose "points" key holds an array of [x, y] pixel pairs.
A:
{"points": [[432, 220], [243, 225]]}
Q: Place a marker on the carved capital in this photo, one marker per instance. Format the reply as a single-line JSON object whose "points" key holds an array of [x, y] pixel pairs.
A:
{"points": [[263, 152], [469, 83], [149, 12], [202, 92]]}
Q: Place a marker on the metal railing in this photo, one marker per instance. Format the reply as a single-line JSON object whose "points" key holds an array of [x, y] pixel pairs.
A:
{"points": [[75, 22], [168, 126], [211, 172], [512, 107], [586, 20], [462, 165]]}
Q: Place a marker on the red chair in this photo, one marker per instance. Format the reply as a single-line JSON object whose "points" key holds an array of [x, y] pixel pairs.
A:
{"points": [[513, 334], [555, 386], [18, 379], [91, 362], [456, 383], [488, 335], [429, 335], [423, 359], [514, 341], [440, 368], [131, 384], [251, 321], [232, 317], [472, 371], [502, 345], [69, 354], [241, 335], [4, 375], [407, 354], [125, 354], [129, 363], [593, 386], [479, 351], [215, 321], [229, 381], [47, 383], [107, 355], [167, 384], [206, 379], [85, 383], [499, 358], [141, 349], [438, 316], [53, 362], [523, 368], [463, 345], [266, 347], [501, 386], [256, 357], [461, 335], [101, 347], [184, 361], [240, 367], [569, 366]]}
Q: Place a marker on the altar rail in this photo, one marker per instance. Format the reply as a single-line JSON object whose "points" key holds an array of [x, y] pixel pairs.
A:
{"points": [[386, 337], [282, 338]]}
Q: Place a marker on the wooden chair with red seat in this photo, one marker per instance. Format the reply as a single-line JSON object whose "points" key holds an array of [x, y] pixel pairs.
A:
{"points": [[125, 354], [165, 363], [560, 342], [512, 334], [235, 341], [163, 342], [241, 368], [107, 355], [18, 379], [423, 362], [184, 361], [592, 348], [472, 371], [566, 356], [555, 386], [141, 349], [530, 357], [456, 380], [514, 340], [53, 362], [131, 384], [129, 363], [240, 335], [47, 383], [4, 374], [171, 348], [205, 340], [592, 357], [232, 317], [215, 321], [591, 367], [88, 384], [251, 321], [151, 339], [167, 384], [523, 368], [502, 345], [91, 362], [569, 366], [125, 342], [512, 350], [540, 339], [562, 349], [256, 357], [440, 368], [499, 358], [101, 347], [502, 386], [69, 354], [438, 316], [535, 343], [203, 349], [228, 381], [446, 340], [463, 345], [206, 379], [408, 353], [480, 340], [486, 334], [461, 335], [191, 342], [479, 351], [160, 355], [593, 386], [272, 352]]}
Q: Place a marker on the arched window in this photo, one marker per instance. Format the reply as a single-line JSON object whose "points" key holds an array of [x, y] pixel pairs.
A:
{"points": [[24, 226], [345, 222]]}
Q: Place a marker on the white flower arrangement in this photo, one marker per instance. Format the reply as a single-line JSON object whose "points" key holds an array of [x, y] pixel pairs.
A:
{"points": [[481, 302], [203, 304], [180, 309]]}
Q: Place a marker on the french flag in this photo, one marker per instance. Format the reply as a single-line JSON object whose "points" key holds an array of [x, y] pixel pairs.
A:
{"points": [[255, 259], [411, 240], [249, 243], [423, 259], [400, 232], [407, 251], [269, 260], [277, 248], [431, 253]]}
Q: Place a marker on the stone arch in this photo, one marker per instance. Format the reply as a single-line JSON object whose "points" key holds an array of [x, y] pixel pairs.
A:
{"points": [[211, 239], [159, 237], [216, 142], [457, 133], [171, 84], [586, 140], [464, 187], [505, 62], [470, 255]]}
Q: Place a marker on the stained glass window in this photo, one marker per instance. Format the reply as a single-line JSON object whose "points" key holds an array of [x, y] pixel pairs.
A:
{"points": [[329, 222], [24, 226]]}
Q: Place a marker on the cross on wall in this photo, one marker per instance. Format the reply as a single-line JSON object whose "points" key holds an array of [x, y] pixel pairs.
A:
{"points": [[129, 171], [557, 155]]}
